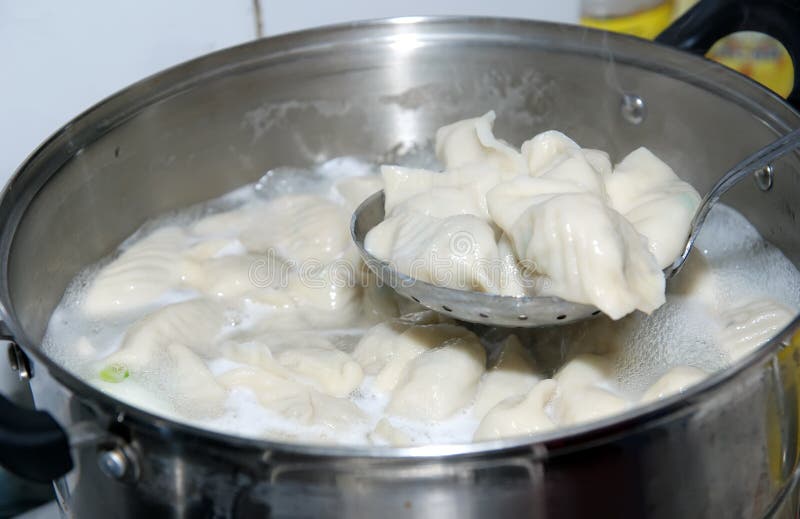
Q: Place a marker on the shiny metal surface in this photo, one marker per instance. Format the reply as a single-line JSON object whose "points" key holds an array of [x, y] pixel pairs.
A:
{"points": [[726, 448]]}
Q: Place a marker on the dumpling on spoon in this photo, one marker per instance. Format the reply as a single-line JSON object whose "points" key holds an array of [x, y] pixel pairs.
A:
{"points": [[552, 219]]}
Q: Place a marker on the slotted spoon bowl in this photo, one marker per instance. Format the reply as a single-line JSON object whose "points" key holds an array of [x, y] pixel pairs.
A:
{"points": [[497, 310]]}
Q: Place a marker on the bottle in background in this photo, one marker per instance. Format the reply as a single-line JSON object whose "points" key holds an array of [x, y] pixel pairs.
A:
{"points": [[753, 54], [642, 18]]}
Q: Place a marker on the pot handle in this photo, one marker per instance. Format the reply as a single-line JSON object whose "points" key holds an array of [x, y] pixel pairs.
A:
{"points": [[32, 444], [711, 20]]}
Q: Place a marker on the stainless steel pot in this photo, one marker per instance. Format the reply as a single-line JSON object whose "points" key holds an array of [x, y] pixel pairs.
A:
{"points": [[726, 448]]}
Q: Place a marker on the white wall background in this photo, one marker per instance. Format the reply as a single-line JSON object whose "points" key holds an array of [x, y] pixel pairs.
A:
{"points": [[58, 58]]}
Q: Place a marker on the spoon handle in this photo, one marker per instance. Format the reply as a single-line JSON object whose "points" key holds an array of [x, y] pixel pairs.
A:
{"points": [[743, 169]]}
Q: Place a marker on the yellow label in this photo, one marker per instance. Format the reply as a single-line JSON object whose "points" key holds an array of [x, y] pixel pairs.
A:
{"points": [[757, 56], [644, 24]]}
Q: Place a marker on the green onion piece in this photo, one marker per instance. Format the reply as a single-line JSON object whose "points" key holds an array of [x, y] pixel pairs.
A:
{"points": [[114, 373]]}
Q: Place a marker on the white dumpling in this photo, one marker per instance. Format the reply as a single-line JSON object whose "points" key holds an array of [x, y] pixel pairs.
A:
{"points": [[268, 386], [403, 184], [514, 279], [439, 382], [387, 434], [256, 354], [300, 228], [676, 380], [194, 323], [590, 254], [214, 248], [599, 160], [193, 389], [512, 374], [328, 297], [139, 395], [472, 141], [229, 276], [580, 396], [519, 415], [585, 370], [332, 371], [334, 414], [355, 190], [749, 325], [590, 403], [171, 372], [655, 200], [139, 276], [387, 348], [508, 201], [546, 150], [458, 251], [441, 202], [297, 402], [227, 224]]}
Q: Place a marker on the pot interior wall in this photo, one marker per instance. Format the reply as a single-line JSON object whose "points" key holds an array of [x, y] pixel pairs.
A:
{"points": [[219, 122]]}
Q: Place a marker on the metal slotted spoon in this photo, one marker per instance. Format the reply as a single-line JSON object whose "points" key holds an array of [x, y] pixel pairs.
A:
{"points": [[496, 310]]}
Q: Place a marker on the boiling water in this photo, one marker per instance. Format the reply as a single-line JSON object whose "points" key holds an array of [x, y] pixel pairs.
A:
{"points": [[731, 266]]}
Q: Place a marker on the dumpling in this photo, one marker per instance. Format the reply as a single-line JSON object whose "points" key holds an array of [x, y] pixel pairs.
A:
{"points": [[546, 150], [194, 324], [172, 373], [458, 251], [355, 190], [580, 397], [472, 141], [576, 405], [387, 348], [231, 276], [438, 382], [519, 415], [508, 201], [655, 200], [585, 370], [268, 386], [747, 326], [297, 402], [192, 388], [403, 184], [590, 254], [599, 160], [332, 371], [327, 297], [215, 248], [514, 279], [163, 351], [300, 228], [512, 374], [387, 434], [227, 224], [139, 276], [676, 380], [441, 202]]}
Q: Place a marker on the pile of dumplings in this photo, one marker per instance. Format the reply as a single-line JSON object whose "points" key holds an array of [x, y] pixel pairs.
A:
{"points": [[551, 219], [254, 314]]}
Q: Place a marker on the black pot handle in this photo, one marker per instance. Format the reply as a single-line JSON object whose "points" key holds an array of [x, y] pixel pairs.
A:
{"points": [[32, 444], [711, 20]]}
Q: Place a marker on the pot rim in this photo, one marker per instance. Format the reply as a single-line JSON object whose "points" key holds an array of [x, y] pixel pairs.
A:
{"points": [[259, 53]]}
